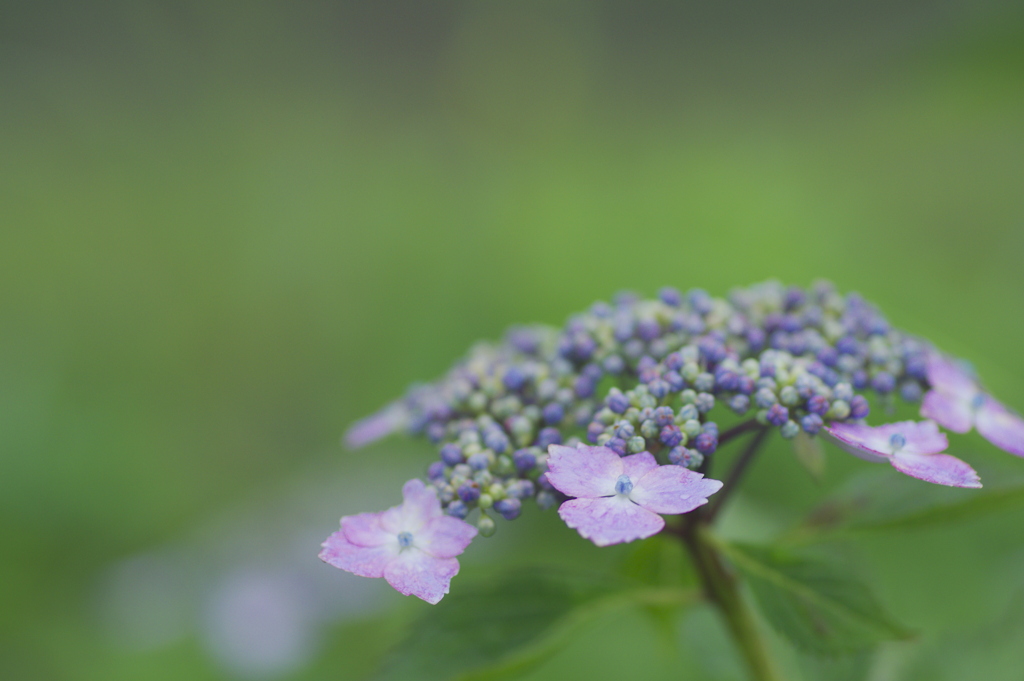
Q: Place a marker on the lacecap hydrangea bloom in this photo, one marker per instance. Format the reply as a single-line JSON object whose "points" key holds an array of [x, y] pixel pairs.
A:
{"points": [[618, 410]]}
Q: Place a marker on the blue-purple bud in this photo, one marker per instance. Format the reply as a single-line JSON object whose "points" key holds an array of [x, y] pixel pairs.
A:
{"points": [[520, 489], [663, 416], [658, 388], [546, 499], [616, 401], [704, 382], [687, 412], [594, 430], [457, 509], [480, 461], [451, 454], [617, 445], [777, 415], [883, 382], [435, 471], [739, 403], [705, 402], [613, 364], [648, 329], [687, 458], [674, 380], [859, 407], [726, 380], [765, 398], [524, 460], [671, 296], [497, 440], [818, 404], [706, 443], [671, 435], [514, 378], [509, 508], [625, 431], [674, 361], [469, 493], [859, 379], [789, 430], [910, 391], [843, 391], [553, 413], [548, 437], [811, 423]]}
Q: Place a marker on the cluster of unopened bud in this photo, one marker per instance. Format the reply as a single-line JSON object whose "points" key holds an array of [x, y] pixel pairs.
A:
{"points": [[644, 375]]}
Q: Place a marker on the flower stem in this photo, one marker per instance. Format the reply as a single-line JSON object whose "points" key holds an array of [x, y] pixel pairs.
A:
{"points": [[735, 476], [723, 590]]}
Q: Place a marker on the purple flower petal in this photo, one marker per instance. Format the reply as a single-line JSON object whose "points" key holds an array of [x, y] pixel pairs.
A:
{"points": [[360, 560], [364, 529], [949, 377], [1000, 426], [881, 442], [414, 573], [386, 421], [419, 506], [583, 471], [637, 466], [951, 410], [610, 520], [444, 537], [673, 489], [941, 469]]}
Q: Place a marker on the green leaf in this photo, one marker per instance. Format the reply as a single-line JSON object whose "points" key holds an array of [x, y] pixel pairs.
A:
{"points": [[508, 625], [810, 454], [884, 502], [814, 603], [855, 667], [660, 560]]}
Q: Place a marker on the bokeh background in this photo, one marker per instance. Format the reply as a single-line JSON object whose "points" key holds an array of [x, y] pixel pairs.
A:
{"points": [[228, 230]]}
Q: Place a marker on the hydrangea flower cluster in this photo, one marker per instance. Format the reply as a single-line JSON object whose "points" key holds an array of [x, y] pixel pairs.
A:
{"points": [[619, 407]]}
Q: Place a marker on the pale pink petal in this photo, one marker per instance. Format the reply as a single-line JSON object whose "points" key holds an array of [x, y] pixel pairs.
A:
{"points": [[610, 520], [941, 469], [916, 437], [950, 410], [583, 471], [388, 420], [364, 529], [673, 489], [360, 560], [1000, 426], [637, 466], [419, 506], [444, 537], [414, 573], [950, 377]]}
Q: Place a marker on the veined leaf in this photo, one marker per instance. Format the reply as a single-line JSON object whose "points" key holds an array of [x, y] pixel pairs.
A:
{"points": [[506, 626], [814, 603]]}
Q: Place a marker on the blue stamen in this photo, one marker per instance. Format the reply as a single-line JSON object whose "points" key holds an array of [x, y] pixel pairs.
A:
{"points": [[623, 485], [978, 400], [404, 539], [897, 441]]}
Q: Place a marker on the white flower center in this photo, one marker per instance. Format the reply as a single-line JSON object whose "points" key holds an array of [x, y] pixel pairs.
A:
{"points": [[405, 539], [623, 485]]}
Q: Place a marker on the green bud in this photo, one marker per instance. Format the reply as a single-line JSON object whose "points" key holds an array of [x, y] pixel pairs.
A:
{"points": [[485, 525], [635, 445], [497, 491], [789, 396], [752, 368], [532, 412], [485, 501], [648, 401], [483, 478], [688, 396], [691, 428], [471, 449], [649, 429], [477, 402], [632, 415], [690, 371], [838, 411], [504, 467], [789, 430], [606, 416], [603, 439]]}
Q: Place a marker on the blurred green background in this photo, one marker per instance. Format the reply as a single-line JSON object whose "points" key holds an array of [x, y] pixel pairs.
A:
{"points": [[229, 230]]}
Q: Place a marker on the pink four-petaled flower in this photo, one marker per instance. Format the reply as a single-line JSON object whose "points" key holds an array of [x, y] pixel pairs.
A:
{"points": [[412, 546], [912, 447], [957, 402], [619, 498]]}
